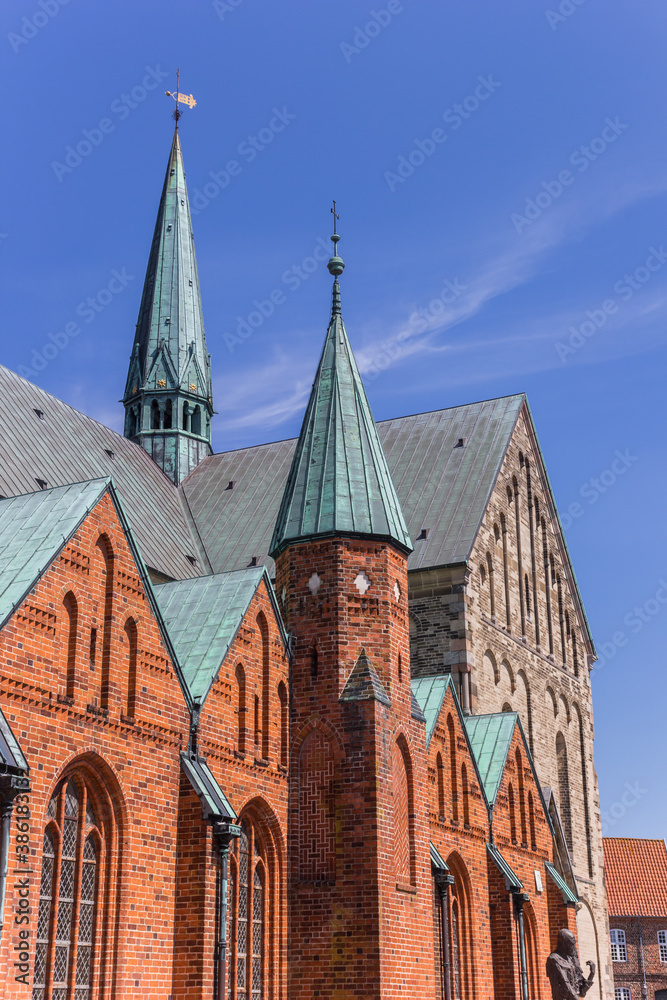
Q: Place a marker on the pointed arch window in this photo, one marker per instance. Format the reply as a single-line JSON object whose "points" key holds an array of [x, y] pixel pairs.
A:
{"points": [[512, 807], [68, 896], [168, 415], [247, 921], [72, 611]]}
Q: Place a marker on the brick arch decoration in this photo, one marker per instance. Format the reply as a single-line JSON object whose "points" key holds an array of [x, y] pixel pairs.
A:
{"points": [[317, 808], [81, 873], [403, 811], [533, 959], [579, 725], [258, 924], [461, 928]]}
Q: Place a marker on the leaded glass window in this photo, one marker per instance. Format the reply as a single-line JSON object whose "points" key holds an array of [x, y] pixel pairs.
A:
{"points": [[456, 953], [247, 909], [69, 857]]}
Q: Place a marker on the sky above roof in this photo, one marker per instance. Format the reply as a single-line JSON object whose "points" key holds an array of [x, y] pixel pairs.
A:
{"points": [[500, 177]]}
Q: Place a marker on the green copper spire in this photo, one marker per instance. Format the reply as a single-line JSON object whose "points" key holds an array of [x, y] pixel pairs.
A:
{"points": [[339, 483], [168, 404]]}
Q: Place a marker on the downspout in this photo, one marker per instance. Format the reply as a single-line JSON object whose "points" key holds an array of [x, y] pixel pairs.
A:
{"points": [[6, 809], [519, 899], [224, 836], [641, 952], [443, 882]]}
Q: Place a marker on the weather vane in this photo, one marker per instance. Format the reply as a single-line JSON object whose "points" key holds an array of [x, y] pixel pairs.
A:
{"points": [[179, 97]]}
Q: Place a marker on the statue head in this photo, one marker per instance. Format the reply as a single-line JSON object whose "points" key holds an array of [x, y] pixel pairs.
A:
{"points": [[567, 944]]}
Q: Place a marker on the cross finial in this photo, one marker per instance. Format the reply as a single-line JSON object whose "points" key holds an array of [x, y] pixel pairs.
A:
{"points": [[333, 212], [180, 98]]}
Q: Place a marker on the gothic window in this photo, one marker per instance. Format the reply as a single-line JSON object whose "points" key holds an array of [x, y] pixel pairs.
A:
{"points": [[402, 814], [466, 795], [492, 589], [506, 572], [247, 917], [68, 896], [284, 724], [662, 945], [71, 610], [131, 638], [266, 666], [240, 685], [196, 421], [531, 823], [105, 551], [564, 788], [452, 769], [155, 415], [510, 797], [619, 951], [167, 414], [441, 786], [522, 801]]}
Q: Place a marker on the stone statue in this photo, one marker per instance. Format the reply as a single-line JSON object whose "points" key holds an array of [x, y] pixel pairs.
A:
{"points": [[567, 980]]}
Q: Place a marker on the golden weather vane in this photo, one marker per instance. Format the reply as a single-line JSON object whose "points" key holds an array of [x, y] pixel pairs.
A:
{"points": [[180, 98]]}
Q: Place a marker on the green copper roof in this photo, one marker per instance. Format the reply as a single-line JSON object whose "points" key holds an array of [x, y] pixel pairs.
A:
{"points": [[490, 737], [169, 359], [11, 755], [215, 804], [339, 483], [33, 529], [437, 859], [202, 617], [555, 875], [430, 694], [512, 881]]}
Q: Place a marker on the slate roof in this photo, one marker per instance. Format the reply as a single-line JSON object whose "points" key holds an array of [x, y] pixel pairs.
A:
{"points": [[202, 617], [441, 487], [635, 876], [490, 737], [339, 483], [65, 446], [363, 684], [33, 529]]}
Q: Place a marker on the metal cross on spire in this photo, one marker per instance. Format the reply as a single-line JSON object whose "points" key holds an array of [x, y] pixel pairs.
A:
{"points": [[180, 98], [333, 212]]}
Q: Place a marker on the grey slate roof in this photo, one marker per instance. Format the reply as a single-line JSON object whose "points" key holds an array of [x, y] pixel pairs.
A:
{"points": [[65, 446], [339, 483], [33, 529], [202, 617], [441, 487]]}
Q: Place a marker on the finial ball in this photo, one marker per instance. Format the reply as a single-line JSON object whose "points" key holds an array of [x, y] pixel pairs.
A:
{"points": [[335, 266]]}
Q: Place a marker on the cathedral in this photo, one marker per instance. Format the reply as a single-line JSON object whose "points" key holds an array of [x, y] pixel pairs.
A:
{"points": [[309, 719]]}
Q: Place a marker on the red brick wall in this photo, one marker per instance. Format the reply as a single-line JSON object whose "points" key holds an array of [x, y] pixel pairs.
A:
{"points": [[629, 973], [363, 933]]}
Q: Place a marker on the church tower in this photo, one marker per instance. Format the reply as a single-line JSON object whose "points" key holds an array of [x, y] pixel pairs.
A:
{"points": [[168, 397], [359, 878]]}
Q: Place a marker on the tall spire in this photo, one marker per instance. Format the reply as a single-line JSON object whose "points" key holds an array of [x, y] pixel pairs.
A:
{"points": [[339, 483], [168, 401]]}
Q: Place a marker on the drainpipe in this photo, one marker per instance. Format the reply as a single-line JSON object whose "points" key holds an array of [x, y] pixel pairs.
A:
{"points": [[224, 834], [443, 882], [6, 809], [519, 899], [641, 952]]}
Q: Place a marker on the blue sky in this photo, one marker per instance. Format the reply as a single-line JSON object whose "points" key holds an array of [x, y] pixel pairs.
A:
{"points": [[514, 243]]}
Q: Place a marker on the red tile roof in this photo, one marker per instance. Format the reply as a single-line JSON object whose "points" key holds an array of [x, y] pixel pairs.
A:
{"points": [[636, 876]]}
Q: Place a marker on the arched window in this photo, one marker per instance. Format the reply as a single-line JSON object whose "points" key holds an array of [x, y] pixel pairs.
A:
{"points": [[284, 724], [440, 774], [131, 637], [526, 590], [69, 892], [241, 710], [522, 800], [155, 415], [247, 917], [492, 587], [400, 669], [72, 612], [402, 811], [466, 795], [452, 769], [575, 654], [547, 584], [266, 663], [510, 797], [186, 417], [564, 788], [561, 620], [103, 545], [531, 822], [168, 411], [506, 571], [456, 951], [196, 421]]}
